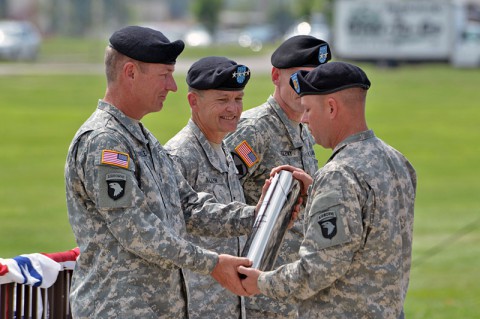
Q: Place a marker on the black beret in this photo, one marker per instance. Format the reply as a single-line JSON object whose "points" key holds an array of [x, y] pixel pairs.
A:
{"points": [[217, 73], [301, 51], [328, 78], [146, 45]]}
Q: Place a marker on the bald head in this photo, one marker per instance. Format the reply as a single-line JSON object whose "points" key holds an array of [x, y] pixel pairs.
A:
{"points": [[354, 98]]}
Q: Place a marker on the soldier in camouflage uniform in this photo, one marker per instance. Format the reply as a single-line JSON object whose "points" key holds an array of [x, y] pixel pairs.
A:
{"points": [[271, 135], [129, 207], [215, 96], [356, 256]]}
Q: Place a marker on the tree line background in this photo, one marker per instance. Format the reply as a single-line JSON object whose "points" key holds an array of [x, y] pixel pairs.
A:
{"points": [[86, 17]]}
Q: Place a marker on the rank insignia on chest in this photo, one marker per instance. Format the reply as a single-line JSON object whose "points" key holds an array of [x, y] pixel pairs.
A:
{"points": [[115, 158], [246, 153], [286, 153], [212, 180]]}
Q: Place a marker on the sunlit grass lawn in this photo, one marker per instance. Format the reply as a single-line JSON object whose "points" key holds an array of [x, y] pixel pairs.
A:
{"points": [[430, 113]]}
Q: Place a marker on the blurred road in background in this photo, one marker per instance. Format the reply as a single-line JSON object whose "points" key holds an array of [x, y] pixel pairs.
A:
{"points": [[260, 64]]}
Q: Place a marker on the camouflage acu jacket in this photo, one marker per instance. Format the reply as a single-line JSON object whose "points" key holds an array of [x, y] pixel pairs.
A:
{"points": [[129, 209], [265, 138], [355, 260], [205, 172]]}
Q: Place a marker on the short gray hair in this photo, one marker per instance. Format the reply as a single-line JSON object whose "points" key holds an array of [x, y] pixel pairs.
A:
{"points": [[114, 60]]}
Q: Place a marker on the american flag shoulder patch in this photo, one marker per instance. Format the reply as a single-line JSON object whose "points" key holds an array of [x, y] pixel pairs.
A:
{"points": [[246, 153], [115, 158]]}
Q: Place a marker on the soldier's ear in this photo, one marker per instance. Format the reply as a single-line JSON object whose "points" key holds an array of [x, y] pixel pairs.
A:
{"points": [[332, 107], [129, 70], [275, 75], [193, 100]]}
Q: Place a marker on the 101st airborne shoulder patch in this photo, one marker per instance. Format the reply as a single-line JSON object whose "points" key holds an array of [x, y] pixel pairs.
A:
{"points": [[328, 224], [116, 185], [332, 228]]}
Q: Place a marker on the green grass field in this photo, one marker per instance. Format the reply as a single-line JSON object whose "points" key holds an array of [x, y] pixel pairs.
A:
{"points": [[428, 112]]}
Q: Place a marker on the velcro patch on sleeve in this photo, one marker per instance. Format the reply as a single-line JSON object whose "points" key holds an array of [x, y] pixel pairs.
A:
{"points": [[327, 227], [110, 157], [116, 187], [246, 153]]}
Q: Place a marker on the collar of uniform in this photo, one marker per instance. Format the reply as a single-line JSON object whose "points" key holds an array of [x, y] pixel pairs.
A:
{"points": [[207, 148], [293, 135], [131, 125], [361, 136]]}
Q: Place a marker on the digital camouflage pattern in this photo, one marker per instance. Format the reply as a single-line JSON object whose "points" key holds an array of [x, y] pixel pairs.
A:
{"points": [[205, 172], [355, 260], [275, 141], [129, 213]]}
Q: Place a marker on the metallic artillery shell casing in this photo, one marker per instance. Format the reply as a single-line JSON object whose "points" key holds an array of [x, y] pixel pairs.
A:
{"points": [[263, 244]]}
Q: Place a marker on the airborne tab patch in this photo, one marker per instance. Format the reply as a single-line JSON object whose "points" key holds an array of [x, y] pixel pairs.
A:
{"points": [[246, 153], [115, 158]]}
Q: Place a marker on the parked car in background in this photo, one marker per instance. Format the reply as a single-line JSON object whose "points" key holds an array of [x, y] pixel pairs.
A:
{"points": [[197, 36], [316, 27], [192, 35], [256, 36], [228, 36], [19, 41]]}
